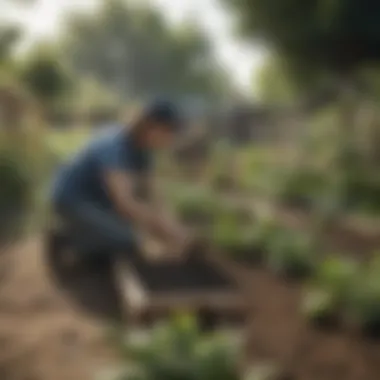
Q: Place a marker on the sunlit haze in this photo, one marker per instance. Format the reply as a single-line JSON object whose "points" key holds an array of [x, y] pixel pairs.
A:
{"points": [[44, 20]]}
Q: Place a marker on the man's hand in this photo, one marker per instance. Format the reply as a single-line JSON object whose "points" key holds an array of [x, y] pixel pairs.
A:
{"points": [[161, 226]]}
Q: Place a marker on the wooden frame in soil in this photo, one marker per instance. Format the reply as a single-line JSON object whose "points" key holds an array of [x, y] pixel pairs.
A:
{"points": [[154, 291]]}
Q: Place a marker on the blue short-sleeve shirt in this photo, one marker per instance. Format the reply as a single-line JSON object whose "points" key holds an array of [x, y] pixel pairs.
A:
{"points": [[82, 178]]}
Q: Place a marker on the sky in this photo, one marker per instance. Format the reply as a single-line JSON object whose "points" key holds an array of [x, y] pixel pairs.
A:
{"points": [[44, 20]]}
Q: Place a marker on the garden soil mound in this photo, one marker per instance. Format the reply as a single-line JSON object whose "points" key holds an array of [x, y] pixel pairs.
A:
{"points": [[278, 334], [54, 328]]}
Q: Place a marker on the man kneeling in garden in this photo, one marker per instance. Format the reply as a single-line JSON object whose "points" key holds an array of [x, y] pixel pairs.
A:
{"points": [[95, 194]]}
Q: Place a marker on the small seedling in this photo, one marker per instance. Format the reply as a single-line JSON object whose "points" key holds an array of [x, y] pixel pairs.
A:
{"points": [[320, 308], [339, 275]]}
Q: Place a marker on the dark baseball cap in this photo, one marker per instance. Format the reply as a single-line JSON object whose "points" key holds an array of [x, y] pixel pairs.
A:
{"points": [[165, 112]]}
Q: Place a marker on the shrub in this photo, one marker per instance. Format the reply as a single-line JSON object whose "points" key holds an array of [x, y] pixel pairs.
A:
{"points": [[15, 191]]}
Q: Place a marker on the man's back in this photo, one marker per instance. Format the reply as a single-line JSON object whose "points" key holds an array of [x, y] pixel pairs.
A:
{"points": [[81, 179]]}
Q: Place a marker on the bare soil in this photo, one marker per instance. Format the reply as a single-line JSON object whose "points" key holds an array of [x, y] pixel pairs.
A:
{"points": [[194, 274], [278, 333], [47, 331]]}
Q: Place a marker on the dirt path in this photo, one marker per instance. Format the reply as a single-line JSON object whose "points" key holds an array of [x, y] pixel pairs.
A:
{"points": [[47, 332], [278, 334]]}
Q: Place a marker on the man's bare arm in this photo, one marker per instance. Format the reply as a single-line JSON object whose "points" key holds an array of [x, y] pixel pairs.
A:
{"points": [[153, 196], [151, 190], [121, 190]]}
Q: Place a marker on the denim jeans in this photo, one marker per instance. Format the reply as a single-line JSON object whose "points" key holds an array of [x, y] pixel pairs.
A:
{"points": [[95, 229]]}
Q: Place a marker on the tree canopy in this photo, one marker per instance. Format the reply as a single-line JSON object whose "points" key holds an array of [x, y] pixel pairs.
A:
{"points": [[43, 75], [332, 35], [135, 51]]}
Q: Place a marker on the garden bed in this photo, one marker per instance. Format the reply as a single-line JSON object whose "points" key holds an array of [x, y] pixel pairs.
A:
{"points": [[279, 334], [277, 331], [155, 290]]}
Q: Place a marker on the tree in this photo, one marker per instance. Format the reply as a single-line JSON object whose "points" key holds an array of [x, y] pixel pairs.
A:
{"points": [[133, 50], [9, 35], [274, 84], [315, 35], [319, 41], [330, 41]]}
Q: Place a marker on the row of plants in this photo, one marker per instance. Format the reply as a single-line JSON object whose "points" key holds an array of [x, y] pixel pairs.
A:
{"points": [[177, 350], [328, 175], [285, 252], [200, 206], [352, 190], [336, 289], [342, 293], [233, 230]]}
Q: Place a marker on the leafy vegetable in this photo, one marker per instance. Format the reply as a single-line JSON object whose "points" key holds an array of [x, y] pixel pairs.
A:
{"points": [[338, 275], [196, 205], [320, 306], [363, 300], [178, 351], [291, 254]]}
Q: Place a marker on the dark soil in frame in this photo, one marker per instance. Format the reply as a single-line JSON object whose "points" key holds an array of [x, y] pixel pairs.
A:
{"points": [[194, 274]]}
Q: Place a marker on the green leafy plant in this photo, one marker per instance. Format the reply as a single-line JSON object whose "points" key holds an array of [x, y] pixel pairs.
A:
{"points": [[195, 206], [246, 241], [234, 213], [360, 188], [291, 254], [231, 237], [363, 303], [264, 231], [302, 187], [319, 306], [330, 290], [364, 306], [338, 274], [179, 351], [258, 174]]}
